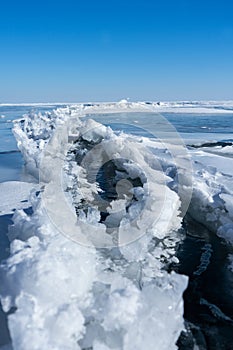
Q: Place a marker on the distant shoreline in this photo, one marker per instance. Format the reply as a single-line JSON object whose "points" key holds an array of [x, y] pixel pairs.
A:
{"points": [[189, 107]]}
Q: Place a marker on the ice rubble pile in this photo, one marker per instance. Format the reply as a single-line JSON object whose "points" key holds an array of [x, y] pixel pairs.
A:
{"points": [[212, 187], [33, 133], [63, 295], [212, 201], [68, 296]]}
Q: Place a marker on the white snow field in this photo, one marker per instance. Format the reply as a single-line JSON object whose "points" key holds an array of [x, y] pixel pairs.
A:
{"points": [[87, 269]]}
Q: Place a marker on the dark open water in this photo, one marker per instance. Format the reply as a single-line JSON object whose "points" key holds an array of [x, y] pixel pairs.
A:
{"points": [[208, 300]]}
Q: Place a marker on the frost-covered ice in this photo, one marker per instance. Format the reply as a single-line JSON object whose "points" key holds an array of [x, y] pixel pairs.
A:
{"points": [[66, 290]]}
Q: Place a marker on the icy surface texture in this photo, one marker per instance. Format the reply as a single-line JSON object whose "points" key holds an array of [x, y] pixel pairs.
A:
{"points": [[212, 202], [67, 295], [33, 133], [15, 195], [47, 279], [64, 295]]}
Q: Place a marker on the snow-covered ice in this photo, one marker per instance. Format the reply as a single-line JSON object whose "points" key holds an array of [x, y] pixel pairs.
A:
{"points": [[15, 195]]}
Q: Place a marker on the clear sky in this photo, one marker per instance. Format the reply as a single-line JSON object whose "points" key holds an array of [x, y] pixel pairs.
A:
{"points": [[72, 51]]}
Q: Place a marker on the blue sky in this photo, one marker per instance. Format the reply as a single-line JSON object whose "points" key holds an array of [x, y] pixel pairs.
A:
{"points": [[53, 51]]}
